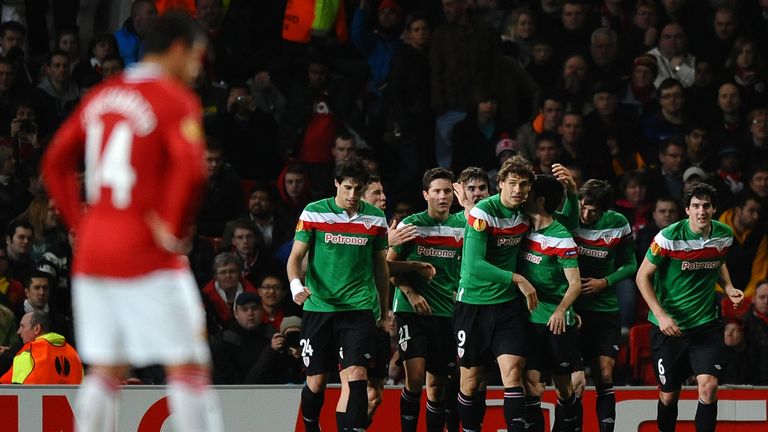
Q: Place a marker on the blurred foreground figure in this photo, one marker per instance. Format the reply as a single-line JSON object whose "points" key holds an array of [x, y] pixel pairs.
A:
{"points": [[137, 304]]}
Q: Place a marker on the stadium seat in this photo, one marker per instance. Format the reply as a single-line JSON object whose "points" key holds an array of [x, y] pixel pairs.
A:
{"points": [[640, 354], [729, 312]]}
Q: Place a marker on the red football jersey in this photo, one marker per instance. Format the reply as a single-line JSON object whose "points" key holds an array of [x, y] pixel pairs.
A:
{"points": [[140, 139]]}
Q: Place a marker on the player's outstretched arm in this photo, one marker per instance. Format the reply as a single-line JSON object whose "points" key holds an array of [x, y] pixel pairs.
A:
{"points": [[556, 322], [399, 235], [299, 292], [645, 284], [397, 267], [736, 295]]}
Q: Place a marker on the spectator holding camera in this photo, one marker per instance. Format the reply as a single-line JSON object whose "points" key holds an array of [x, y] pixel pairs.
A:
{"points": [[281, 362], [23, 133]]}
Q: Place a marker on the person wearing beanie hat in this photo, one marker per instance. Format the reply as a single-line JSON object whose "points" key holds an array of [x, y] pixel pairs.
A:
{"points": [[640, 93]]}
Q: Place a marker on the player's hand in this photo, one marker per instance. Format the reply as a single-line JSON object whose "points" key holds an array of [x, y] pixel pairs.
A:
{"points": [[165, 238], [301, 297], [556, 322], [420, 305], [397, 236], [592, 286], [531, 298], [736, 296], [668, 326], [278, 342], [425, 270], [461, 195], [562, 175]]}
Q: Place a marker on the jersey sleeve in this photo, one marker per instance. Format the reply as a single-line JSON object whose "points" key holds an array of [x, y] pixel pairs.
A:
{"points": [[569, 214], [304, 231], [475, 241], [185, 176], [404, 248], [656, 253], [626, 261], [60, 166]]}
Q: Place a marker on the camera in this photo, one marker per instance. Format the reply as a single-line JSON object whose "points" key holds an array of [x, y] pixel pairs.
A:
{"points": [[292, 339], [28, 126]]}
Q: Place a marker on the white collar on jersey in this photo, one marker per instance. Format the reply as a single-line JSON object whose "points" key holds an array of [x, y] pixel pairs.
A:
{"points": [[143, 72]]}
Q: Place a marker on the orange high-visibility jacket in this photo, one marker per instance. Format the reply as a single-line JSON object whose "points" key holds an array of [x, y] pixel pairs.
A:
{"points": [[46, 360]]}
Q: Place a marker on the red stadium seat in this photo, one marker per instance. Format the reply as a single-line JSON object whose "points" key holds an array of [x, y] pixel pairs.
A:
{"points": [[730, 313], [640, 354]]}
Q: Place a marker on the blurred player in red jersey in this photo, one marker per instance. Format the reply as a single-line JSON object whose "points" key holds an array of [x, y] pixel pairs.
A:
{"points": [[134, 297]]}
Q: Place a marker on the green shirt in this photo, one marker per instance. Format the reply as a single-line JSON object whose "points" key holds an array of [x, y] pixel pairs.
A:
{"points": [[688, 268], [606, 250], [489, 258], [543, 256], [438, 243], [341, 254]]}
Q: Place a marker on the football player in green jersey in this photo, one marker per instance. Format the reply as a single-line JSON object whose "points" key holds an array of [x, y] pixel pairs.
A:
{"points": [[677, 279]]}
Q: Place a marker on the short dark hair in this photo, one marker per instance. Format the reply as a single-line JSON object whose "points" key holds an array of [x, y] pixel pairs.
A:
{"points": [[21, 223], [634, 176], [259, 186], [41, 318], [742, 198], [13, 26], [664, 198], [55, 53], [473, 173], [344, 135], [598, 193], [36, 274], [701, 190], [668, 83], [433, 174], [371, 180], [550, 189], [102, 37], [114, 57], [245, 224], [548, 136], [668, 142], [352, 168], [516, 165], [168, 28]]}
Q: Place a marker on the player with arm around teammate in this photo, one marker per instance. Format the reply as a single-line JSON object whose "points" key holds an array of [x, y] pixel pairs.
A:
{"points": [[677, 279]]}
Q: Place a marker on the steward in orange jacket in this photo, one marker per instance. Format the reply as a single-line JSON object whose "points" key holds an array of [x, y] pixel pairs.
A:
{"points": [[45, 358]]}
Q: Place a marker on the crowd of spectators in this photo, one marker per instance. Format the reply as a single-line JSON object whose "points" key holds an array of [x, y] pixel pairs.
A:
{"points": [[652, 96]]}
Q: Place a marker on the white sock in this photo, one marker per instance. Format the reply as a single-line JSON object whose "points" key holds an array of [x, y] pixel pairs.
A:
{"points": [[95, 405], [194, 405]]}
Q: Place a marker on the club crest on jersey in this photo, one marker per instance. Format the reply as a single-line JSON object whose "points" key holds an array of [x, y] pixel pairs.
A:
{"points": [[655, 248], [191, 130], [479, 225], [367, 223], [458, 236]]}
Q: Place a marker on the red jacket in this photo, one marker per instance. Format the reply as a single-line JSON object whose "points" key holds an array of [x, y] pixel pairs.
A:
{"points": [[217, 306]]}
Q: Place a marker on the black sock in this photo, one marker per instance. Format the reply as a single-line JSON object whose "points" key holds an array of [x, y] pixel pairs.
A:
{"points": [[706, 416], [466, 409], [480, 406], [514, 408], [340, 416], [435, 416], [579, 411], [409, 410], [666, 417], [357, 405], [311, 403], [533, 415], [606, 407], [451, 407], [566, 414]]}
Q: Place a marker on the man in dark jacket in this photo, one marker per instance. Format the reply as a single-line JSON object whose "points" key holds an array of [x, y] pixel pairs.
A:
{"points": [[240, 345], [756, 331]]}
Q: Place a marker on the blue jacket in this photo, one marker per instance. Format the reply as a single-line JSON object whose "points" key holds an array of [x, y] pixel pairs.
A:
{"points": [[377, 48]]}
